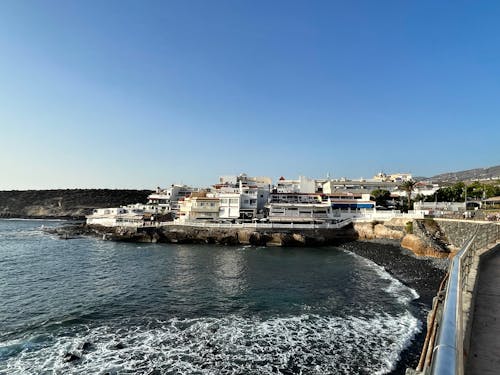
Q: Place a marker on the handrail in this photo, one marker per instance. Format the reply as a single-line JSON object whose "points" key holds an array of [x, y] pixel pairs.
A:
{"points": [[448, 353]]}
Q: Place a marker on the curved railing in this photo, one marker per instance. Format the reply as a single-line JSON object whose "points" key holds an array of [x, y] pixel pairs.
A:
{"points": [[448, 352], [449, 323]]}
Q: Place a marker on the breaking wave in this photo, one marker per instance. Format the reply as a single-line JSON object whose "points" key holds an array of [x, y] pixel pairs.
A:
{"points": [[305, 344]]}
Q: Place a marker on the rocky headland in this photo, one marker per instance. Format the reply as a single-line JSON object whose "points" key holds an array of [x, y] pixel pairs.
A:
{"points": [[64, 203], [425, 237]]}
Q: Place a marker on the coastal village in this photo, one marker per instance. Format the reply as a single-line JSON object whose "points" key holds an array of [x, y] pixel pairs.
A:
{"points": [[239, 199]]}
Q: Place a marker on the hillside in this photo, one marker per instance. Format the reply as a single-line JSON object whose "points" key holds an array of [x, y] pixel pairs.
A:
{"points": [[69, 203], [470, 174]]}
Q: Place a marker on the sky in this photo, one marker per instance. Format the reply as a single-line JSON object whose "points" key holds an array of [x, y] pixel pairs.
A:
{"points": [[139, 94]]}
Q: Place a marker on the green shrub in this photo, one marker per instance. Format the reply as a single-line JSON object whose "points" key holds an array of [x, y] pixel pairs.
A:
{"points": [[409, 227]]}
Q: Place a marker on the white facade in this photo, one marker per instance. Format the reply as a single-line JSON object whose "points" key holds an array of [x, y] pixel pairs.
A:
{"points": [[198, 206], [425, 188], [168, 199], [146, 208], [229, 206], [242, 195], [294, 198], [300, 213], [439, 206], [357, 186], [116, 217], [394, 177]]}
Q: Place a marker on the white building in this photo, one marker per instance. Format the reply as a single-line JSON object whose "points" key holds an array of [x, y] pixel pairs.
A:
{"points": [[430, 207], [116, 217], [245, 180], [242, 196], [309, 198], [167, 200], [300, 213], [357, 186], [425, 188], [394, 177], [349, 201], [198, 206], [229, 205], [302, 185]]}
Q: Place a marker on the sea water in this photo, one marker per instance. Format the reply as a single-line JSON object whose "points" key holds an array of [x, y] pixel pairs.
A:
{"points": [[124, 308]]}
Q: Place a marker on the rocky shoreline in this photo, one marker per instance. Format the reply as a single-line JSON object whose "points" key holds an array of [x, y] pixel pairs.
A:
{"points": [[423, 274], [422, 237]]}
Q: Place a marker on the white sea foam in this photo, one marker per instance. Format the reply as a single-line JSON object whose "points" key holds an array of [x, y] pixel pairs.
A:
{"points": [[305, 344], [396, 288]]}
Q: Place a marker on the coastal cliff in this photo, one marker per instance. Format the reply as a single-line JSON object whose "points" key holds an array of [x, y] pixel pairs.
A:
{"points": [[64, 204]]}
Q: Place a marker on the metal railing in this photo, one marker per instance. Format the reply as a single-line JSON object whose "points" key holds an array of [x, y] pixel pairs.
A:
{"points": [[335, 225], [452, 329]]}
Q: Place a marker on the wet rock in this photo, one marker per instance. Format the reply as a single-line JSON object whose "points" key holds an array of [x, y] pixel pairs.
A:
{"points": [[71, 357], [118, 346], [86, 346]]}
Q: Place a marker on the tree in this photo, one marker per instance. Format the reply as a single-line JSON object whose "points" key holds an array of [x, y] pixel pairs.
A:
{"points": [[408, 186], [381, 196]]}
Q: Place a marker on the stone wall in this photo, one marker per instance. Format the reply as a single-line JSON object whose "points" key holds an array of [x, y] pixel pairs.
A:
{"points": [[459, 231], [443, 237]]}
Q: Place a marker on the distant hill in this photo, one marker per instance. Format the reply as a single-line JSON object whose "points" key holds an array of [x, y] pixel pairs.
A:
{"points": [[69, 203], [470, 174]]}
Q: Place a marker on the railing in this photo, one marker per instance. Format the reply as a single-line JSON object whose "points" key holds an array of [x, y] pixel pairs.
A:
{"points": [[453, 329], [382, 215], [337, 225]]}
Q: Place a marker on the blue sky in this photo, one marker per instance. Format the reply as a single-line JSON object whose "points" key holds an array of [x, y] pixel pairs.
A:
{"points": [[135, 94]]}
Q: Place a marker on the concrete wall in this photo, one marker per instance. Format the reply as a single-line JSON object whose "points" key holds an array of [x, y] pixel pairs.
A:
{"points": [[458, 231]]}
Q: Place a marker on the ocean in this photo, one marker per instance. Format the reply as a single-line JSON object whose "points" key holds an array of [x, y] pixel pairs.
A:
{"points": [[87, 306]]}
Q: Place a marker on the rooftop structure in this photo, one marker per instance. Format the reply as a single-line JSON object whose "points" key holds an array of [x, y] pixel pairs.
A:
{"points": [[395, 177], [302, 185]]}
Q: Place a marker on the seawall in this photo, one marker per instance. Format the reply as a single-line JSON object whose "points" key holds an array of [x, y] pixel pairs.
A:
{"points": [[437, 238]]}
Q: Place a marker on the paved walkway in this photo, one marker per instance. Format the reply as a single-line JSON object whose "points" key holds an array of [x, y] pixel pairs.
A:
{"points": [[484, 353]]}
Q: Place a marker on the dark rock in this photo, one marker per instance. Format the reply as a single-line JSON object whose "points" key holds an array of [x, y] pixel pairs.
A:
{"points": [[86, 346], [118, 346], [71, 357]]}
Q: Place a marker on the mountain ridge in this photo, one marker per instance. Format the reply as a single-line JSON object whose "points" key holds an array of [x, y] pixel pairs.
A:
{"points": [[488, 173]]}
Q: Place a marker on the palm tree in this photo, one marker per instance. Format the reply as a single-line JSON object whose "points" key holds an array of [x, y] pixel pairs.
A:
{"points": [[408, 186]]}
